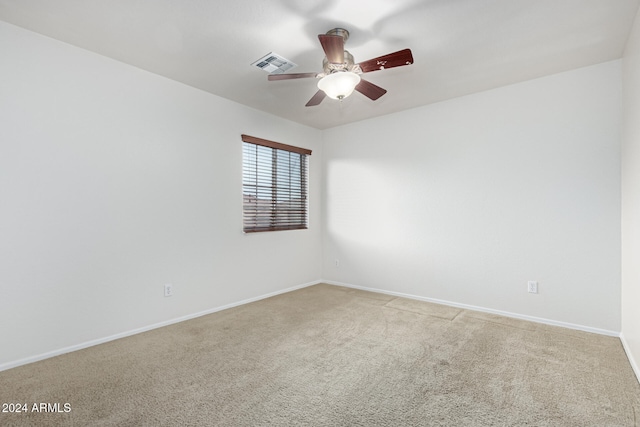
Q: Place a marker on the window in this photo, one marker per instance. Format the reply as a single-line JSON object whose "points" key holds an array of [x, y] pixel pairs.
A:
{"points": [[274, 185]]}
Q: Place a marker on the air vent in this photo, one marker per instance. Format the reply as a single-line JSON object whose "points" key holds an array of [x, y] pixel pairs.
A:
{"points": [[274, 64]]}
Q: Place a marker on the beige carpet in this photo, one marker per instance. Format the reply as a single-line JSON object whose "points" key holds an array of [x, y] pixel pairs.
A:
{"points": [[331, 356]]}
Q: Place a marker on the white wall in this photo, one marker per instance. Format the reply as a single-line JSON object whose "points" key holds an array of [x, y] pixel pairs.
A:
{"points": [[466, 200], [631, 198], [114, 181]]}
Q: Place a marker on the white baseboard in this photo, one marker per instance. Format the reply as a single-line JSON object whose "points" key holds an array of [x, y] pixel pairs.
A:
{"points": [[98, 341], [481, 309], [69, 349], [632, 361]]}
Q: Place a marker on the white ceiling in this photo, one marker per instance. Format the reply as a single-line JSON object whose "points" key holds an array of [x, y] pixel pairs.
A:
{"points": [[459, 46]]}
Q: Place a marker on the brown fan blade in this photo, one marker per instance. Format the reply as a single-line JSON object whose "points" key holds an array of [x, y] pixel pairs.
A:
{"points": [[395, 59], [333, 47], [272, 77], [370, 90], [316, 99]]}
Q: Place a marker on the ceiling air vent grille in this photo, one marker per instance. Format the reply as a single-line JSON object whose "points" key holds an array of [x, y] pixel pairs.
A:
{"points": [[273, 63]]}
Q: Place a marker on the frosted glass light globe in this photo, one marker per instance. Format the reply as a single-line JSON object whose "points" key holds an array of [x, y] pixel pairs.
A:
{"points": [[339, 85]]}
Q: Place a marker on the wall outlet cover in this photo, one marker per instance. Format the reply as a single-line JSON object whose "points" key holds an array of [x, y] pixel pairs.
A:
{"points": [[168, 290]]}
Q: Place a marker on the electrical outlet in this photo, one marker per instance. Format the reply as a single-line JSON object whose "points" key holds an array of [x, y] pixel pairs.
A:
{"points": [[168, 290], [532, 287], [337, 263]]}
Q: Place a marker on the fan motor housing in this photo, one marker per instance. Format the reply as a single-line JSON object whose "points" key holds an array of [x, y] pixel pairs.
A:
{"points": [[348, 65]]}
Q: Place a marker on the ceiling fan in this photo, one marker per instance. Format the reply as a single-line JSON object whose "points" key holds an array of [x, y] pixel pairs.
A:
{"points": [[341, 75]]}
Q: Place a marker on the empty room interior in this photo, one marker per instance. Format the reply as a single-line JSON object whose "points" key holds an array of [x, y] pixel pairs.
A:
{"points": [[468, 244]]}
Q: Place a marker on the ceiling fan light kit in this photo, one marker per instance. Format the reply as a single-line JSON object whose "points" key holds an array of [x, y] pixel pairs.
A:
{"points": [[339, 85], [341, 75]]}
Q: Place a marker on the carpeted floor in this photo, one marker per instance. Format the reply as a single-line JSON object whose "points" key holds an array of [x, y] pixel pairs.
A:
{"points": [[332, 356]]}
